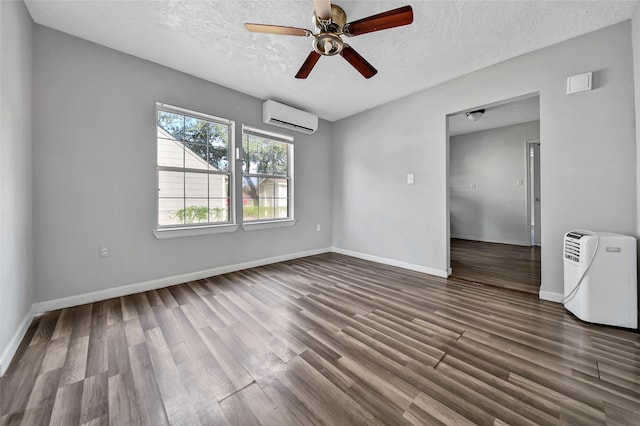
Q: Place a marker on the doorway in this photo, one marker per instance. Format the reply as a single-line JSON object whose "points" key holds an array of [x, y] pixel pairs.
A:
{"points": [[494, 195]]}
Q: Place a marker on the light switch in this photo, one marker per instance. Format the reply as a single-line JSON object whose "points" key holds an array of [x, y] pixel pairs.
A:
{"points": [[411, 179]]}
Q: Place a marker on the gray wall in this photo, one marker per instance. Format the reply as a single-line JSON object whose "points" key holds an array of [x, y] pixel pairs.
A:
{"points": [[494, 161], [588, 161], [635, 39], [16, 169], [95, 167]]}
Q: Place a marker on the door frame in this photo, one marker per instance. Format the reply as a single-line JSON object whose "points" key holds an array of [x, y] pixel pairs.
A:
{"points": [[447, 142], [530, 181]]}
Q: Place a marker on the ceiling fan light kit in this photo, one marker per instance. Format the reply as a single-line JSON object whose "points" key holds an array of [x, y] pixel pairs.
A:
{"points": [[328, 44], [330, 22]]}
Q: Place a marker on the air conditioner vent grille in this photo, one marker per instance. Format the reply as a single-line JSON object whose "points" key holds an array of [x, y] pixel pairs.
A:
{"points": [[292, 126], [572, 246], [572, 250]]}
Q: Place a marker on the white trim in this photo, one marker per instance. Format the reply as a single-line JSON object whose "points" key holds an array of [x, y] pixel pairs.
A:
{"points": [[163, 234], [12, 347], [124, 290], [392, 262], [530, 186], [254, 226], [65, 302], [551, 296], [276, 137], [196, 114], [488, 240], [189, 231]]}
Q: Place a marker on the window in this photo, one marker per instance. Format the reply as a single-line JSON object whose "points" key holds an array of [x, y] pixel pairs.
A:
{"points": [[267, 176], [194, 172]]}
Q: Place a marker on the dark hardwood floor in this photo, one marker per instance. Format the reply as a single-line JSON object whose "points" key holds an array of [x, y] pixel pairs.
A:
{"points": [[501, 265], [327, 339]]}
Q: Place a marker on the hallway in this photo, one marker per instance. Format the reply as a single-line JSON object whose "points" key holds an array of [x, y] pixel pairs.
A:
{"points": [[499, 265]]}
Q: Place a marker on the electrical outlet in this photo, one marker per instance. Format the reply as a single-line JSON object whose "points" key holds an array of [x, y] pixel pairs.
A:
{"points": [[104, 252]]}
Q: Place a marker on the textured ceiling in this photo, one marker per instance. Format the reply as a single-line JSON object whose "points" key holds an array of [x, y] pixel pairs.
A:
{"points": [[207, 39]]}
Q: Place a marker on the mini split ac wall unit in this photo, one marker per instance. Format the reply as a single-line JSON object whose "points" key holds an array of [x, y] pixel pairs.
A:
{"points": [[282, 115]]}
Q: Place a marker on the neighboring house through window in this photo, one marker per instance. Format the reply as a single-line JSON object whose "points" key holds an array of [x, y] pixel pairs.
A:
{"points": [[267, 176], [194, 171]]}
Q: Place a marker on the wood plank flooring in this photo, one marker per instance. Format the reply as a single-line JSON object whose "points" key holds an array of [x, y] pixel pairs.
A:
{"points": [[327, 339], [500, 265]]}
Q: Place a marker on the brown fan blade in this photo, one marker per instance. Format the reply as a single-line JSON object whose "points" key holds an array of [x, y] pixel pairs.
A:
{"points": [[358, 62], [277, 29], [382, 21], [308, 64], [322, 8]]}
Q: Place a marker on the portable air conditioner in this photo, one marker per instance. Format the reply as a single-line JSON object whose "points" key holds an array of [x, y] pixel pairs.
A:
{"points": [[600, 278]]}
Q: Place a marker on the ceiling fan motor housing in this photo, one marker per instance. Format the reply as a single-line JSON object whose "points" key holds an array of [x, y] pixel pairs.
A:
{"points": [[335, 24], [328, 41]]}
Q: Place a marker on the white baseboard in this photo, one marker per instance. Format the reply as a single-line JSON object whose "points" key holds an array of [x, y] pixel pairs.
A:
{"points": [[125, 290], [489, 240], [80, 299], [392, 262], [65, 302], [551, 296], [11, 349]]}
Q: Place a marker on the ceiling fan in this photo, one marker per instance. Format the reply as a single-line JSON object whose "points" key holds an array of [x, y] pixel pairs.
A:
{"points": [[330, 22]]}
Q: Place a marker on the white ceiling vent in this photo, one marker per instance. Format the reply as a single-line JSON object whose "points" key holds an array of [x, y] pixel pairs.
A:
{"points": [[282, 115]]}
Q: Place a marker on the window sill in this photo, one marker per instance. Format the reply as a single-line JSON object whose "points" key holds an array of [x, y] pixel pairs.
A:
{"points": [[254, 226], [163, 234]]}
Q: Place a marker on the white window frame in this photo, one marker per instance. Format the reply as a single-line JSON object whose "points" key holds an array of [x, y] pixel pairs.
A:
{"points": [[191, 229], [255, 224]]}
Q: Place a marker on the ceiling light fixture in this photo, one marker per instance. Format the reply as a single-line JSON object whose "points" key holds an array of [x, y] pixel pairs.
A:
{"points": [[328, 44], [475, 115]]}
